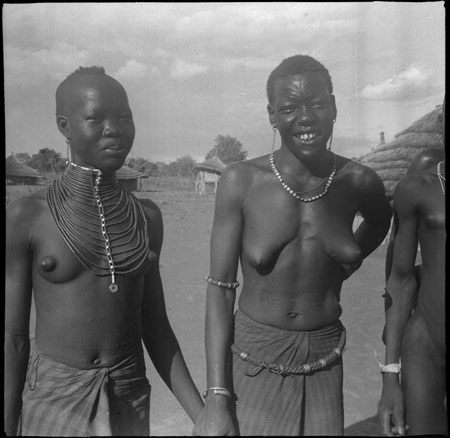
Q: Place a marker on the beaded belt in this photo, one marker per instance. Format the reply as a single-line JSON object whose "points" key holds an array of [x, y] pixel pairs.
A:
{"points": [[287, 371]]}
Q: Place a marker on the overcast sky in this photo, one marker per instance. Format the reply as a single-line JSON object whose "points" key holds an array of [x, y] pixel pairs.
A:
{"points": [[194, 71]]}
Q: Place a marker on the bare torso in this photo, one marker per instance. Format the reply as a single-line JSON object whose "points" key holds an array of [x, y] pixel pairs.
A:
{"points": [[432, 237], [79, 321], [293, 252]]}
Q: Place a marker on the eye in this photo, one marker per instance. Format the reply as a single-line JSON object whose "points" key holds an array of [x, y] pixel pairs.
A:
{"points": [[93, 119], [287, 109]]}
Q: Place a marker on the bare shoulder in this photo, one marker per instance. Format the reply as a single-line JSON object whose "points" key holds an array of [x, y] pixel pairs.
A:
{"points": [[360, 175], [243, 173], [414, 184], [26, 209], [425, 159], [151, 210]]}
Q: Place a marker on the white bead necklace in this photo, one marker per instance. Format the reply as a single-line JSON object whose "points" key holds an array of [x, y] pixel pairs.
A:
{"points": [[441, 177], [295, 194]]}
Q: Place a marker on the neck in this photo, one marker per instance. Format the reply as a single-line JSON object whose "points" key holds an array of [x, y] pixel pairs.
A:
{"points": [[90, 169], [90, 176], [318, 166]]}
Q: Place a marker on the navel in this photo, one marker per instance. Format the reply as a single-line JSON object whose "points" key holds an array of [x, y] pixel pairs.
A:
{"points": [[292, 315], [48, 264]]}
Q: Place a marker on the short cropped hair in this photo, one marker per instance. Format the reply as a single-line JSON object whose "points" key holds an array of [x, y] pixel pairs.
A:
{"points": [[294, 65], [62, 90]]}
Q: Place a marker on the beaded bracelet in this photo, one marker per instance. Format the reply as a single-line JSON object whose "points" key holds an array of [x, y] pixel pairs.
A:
{"points": [[390, 368], [217, 390], [222, 283]]}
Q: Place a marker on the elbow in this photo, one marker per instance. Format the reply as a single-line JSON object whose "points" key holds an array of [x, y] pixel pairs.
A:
{"points": [[17, 344]]}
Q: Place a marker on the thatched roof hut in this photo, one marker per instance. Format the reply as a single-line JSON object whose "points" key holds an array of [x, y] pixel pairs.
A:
{"points": [[211, 165], [17, 173], [130, 178], [391, 160], [208, 173]]}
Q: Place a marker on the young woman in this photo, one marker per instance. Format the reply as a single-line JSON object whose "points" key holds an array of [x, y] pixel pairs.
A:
{"points": [[89, 252]]}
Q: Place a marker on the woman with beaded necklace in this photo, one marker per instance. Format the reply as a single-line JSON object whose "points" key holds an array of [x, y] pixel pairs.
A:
{"points": [[413, 399], [276, 367], [89, 251]]}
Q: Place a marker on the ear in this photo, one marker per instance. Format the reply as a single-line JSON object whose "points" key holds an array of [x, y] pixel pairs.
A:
{"points": [[63, 125], [333, 106], [271, 113]]}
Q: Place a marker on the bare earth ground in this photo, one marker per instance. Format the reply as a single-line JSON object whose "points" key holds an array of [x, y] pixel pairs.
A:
{"points": [[184, 265]]}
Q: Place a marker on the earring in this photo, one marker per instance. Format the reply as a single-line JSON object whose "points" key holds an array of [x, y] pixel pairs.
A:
{"points": [[331, 136], [274, 127], [68, 151]]}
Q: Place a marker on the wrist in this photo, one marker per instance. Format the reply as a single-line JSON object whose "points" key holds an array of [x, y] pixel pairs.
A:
{"points": [[217, 390], [217, 395], [391, 368]]}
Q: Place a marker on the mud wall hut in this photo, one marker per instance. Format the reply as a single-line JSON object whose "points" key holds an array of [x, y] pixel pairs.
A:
{"points": [[208, 173], [129, 178]]}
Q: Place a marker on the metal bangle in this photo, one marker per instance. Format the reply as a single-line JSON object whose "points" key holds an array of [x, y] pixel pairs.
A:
{"points": [[223, 284], [217, 390], [390, 368]]}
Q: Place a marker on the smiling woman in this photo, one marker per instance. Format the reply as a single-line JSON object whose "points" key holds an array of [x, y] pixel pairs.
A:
{"points": [[287, 217]]}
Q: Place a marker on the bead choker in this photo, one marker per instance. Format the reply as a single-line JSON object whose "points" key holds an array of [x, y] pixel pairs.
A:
{"points": [[103, 224], [327, 181]]}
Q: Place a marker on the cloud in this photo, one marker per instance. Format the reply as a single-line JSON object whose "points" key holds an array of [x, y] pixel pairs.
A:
{"points": [[182, 70], [133, 70], [411, 84]]}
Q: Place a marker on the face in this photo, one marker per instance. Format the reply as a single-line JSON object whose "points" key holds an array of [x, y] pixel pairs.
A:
{"points": [[303, 110], [98, 123]]}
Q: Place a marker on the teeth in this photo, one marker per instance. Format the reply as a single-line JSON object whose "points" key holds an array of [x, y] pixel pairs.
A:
{"points": [[307, 136]]}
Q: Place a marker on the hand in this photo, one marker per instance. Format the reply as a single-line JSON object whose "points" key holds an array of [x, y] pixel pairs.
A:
{"points": [[214, 420], [391, 411]]}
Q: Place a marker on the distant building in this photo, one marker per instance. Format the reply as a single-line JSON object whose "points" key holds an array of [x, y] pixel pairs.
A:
{"points": [[209, 173], [130, 178], [17, 173], [391, 160]]}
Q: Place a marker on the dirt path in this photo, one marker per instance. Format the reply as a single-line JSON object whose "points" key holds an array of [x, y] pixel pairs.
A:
{"points": [[184, 264]]}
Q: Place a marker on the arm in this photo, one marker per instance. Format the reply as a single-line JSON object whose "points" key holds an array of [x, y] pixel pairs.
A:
{"points": [[158, 336], [400, 294], [375, 210], [219, 328], [18, 291]]}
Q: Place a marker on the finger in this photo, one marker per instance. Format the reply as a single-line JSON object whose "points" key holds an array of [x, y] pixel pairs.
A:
{"points": [[399, 421], [385, 419], [398, 430]]}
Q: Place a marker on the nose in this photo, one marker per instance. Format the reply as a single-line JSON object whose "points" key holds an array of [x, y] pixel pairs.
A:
{"points": [[112, 128], [305, 115]]}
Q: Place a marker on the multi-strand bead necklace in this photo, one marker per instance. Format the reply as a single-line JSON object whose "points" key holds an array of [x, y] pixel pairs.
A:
{"points": [[103, 224], [327, 181]]}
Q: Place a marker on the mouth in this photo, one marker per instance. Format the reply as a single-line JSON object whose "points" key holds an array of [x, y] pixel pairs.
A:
{"points": [[114, 147], [307, 137], [115, 151]]}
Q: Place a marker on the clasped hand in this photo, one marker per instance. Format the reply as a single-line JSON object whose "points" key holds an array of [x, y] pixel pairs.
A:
{"points": [[391, 411], [214, 421]]}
